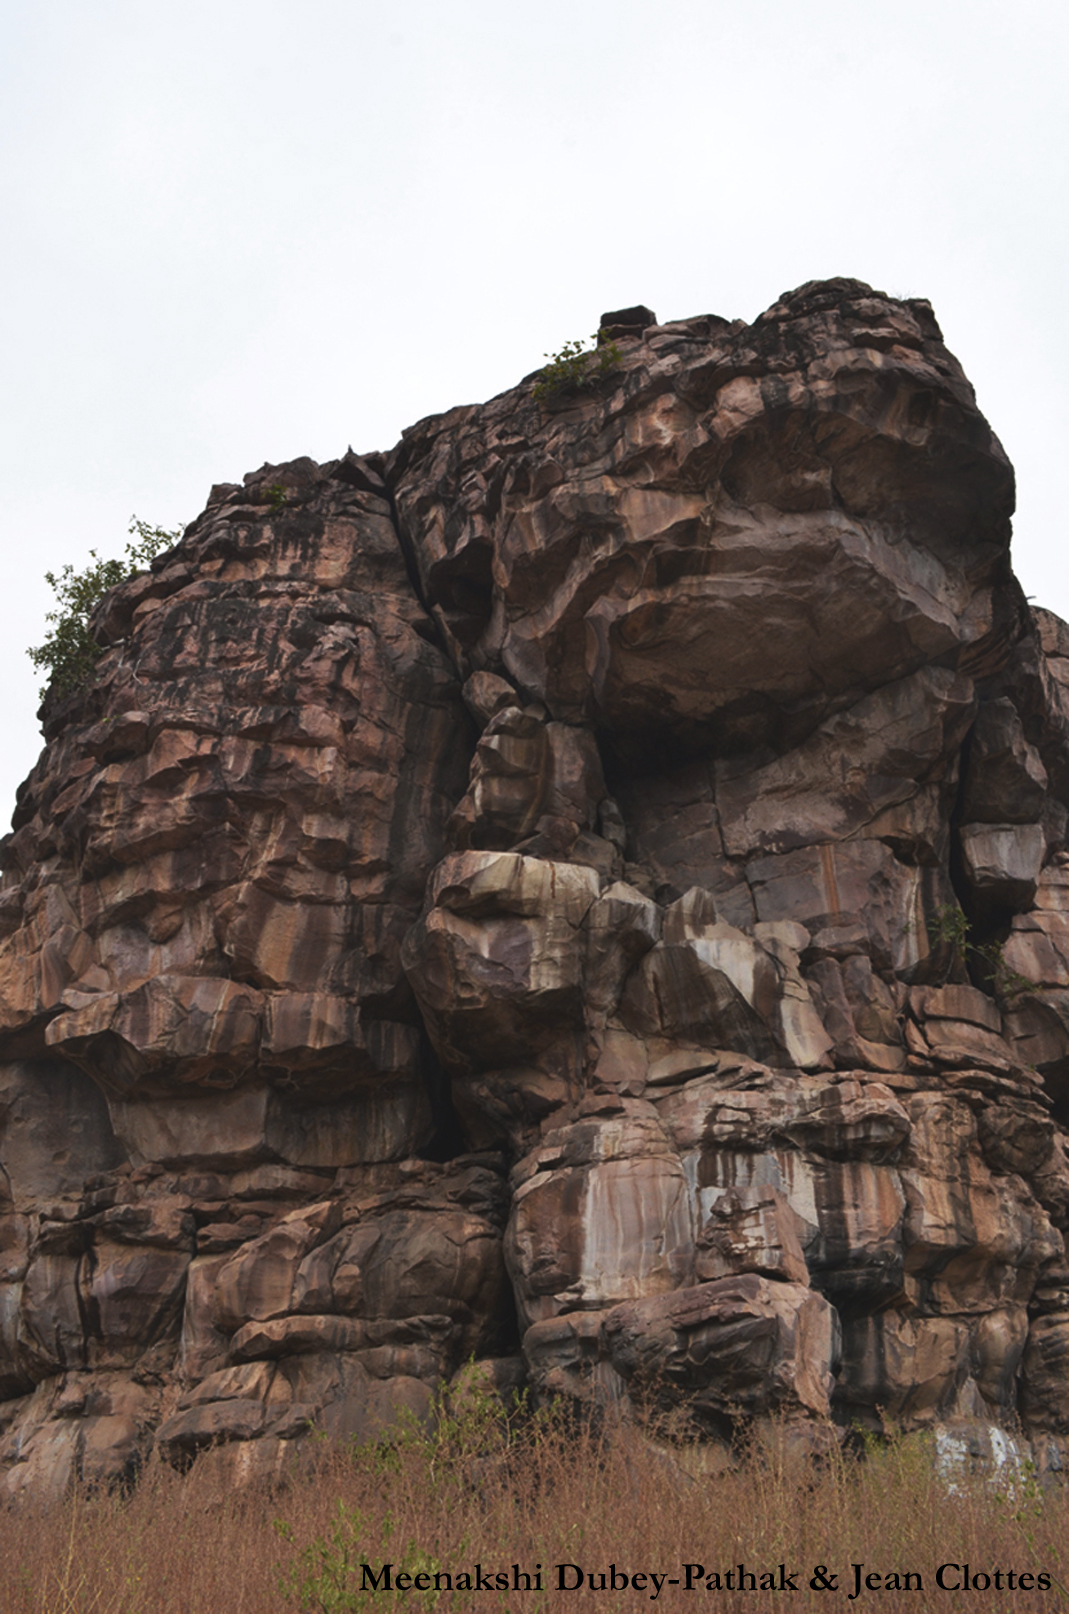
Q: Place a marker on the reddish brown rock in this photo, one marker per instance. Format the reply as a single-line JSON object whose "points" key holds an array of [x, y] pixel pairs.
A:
{"points": [[1005, 781], [93, 1427], [661, 786], [701, 522], [1045, 1396], [750, 1230], [238, 818], [740, 1346], [604, 1214]]}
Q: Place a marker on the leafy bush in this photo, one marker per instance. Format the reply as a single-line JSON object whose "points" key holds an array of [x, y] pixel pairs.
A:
{"points": [[571, 369], [328, 1576], [466, 1444], [1006, 983], [69, 653], [948, 927]]}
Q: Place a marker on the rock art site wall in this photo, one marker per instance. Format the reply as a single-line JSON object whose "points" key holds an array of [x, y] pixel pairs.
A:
{"points": [[502, 900]]}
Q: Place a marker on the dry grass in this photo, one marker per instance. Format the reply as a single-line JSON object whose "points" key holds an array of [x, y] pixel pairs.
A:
{"points": [[542, 1494]]}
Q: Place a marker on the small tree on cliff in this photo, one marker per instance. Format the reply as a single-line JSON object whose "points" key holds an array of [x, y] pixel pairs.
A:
{"points": [[69, 653], [575, 367]]}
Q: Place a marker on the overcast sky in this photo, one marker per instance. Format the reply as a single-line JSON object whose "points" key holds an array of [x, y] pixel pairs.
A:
{"points": [[238, 232]]}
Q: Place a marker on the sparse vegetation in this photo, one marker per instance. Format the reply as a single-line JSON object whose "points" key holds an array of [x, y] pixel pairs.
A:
{"points": [[69, 653], [949, 928], [538, 1492], [1005, 983], [574, 367]]}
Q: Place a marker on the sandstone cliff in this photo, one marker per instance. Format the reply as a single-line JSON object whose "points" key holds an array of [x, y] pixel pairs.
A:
{"points": [[587, 891]]}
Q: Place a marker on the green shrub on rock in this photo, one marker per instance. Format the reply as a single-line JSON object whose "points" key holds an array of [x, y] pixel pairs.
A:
{"points": [[69, 653], [575, 367]]}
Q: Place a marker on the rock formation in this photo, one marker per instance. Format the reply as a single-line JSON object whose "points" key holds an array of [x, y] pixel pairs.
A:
{"points": [[586, 892]]}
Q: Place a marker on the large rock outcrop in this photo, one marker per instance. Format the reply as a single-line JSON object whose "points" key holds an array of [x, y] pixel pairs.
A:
{"points": [[585, 892]]}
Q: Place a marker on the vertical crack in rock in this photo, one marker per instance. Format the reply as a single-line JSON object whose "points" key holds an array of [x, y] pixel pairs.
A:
{"points": [[585, 892]]}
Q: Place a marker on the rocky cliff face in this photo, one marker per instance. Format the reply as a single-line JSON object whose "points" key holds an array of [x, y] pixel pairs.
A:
{"points": [[587, 892]]}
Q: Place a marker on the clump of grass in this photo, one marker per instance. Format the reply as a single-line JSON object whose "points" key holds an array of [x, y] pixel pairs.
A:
{"points": [[497, 1489]]}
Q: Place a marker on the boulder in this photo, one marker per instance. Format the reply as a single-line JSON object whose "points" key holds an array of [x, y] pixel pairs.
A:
{"points": [[496, 962], [750, 1230], [1005, 781], [95, 1428], [603, 1214], [739, 1346], [1003, 862]]}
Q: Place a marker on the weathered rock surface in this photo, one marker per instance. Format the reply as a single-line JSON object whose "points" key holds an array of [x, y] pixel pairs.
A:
{"points": [[583, 896]]}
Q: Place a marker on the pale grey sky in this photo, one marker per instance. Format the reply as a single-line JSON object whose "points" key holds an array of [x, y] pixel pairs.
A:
{"points": [[239, 231]]}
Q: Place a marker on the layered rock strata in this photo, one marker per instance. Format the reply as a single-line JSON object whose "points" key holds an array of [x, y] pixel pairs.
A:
{"points": [[585, 893]]}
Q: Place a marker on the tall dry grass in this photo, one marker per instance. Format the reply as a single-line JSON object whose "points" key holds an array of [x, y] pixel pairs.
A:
{"points": [[478, 1491]]}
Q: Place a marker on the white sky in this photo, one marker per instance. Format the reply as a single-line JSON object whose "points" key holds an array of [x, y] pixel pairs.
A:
{"points": [[238, 232]]}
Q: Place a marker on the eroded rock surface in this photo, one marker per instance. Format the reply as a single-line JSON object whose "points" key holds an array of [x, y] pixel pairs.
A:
{"points": [[584, 893]]}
